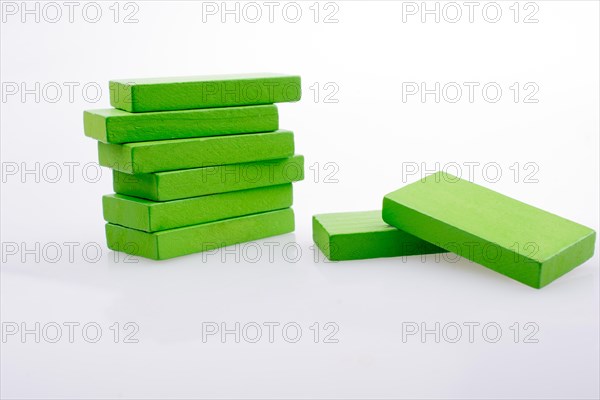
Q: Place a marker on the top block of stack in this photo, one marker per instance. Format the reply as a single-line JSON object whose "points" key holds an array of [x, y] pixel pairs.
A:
{"points": [[167, 94]]}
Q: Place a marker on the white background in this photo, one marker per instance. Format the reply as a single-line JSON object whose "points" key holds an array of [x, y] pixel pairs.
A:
{"points": [[371, 135]]}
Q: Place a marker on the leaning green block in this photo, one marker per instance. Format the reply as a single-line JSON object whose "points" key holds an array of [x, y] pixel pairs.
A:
{"points": [[173, 185], [197, 238], [152, 216], [520, 241], [164, 94], [170, 155], [363, 234], [117, 126]]}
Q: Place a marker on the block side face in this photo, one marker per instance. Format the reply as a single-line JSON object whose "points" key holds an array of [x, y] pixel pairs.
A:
{"points": [[568, 259], [213, 235], [164, 94], [115, 156], [354, 222], [400, 243], [511, 262], [210, 180], [126, 211], [108, 113], [503, 220], [121, 95], [168, 125], [378, 244], [293, 170], [141, 185], [131, 241], [364, 235], [321, 237], [198, 210], [178, 154], [274, 117], [359, 246], [94, 126]]}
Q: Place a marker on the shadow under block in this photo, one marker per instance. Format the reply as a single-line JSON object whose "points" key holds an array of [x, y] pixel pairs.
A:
{"points": [[152, 216], [173, 185], [170, 155], [197, 238], [182, 93], [117, 126], [363, 234], [520, 241]]}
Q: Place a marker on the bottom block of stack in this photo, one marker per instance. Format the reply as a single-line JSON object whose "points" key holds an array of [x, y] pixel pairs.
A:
{"points": [[197, 238]]}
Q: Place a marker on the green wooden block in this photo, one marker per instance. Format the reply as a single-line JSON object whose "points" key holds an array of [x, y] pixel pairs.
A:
{"points": [[152, 216], [117, 126], [197, 238], [164, 94], [173, 185], [170, 155], [520, 241], [363, 234]]}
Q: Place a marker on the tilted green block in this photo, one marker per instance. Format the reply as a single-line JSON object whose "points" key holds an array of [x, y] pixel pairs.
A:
{"points": [[196, 238], [513, 238], [152, 216], [173, 185], [163, 94], [170, 155], [363, 234], [117, 126]]}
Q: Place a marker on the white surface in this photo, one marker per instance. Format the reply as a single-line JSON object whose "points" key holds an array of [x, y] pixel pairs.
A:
{"points": [[368, 134]]}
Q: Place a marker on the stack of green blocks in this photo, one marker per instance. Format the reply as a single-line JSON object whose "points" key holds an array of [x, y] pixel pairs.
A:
{"points": [[198, 163]]}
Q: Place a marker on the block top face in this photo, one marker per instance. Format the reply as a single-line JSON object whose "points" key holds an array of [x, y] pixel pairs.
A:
{"points": [[184, 141], [489, 215], [183, 114], [197, 92], [139, 200], [108, 112], [353, 222], [201, 78]]}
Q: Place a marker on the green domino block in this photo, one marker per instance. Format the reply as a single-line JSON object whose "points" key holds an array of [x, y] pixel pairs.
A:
{"points": [[117, 126], [363, 234], [170, 155], [151, 216], [520, 241], [164, 94], [197, 238], [173, 185]]}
